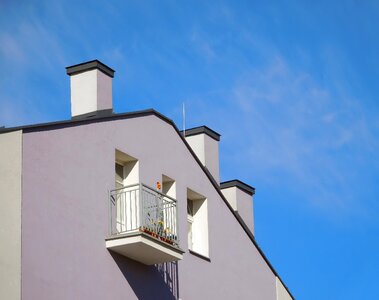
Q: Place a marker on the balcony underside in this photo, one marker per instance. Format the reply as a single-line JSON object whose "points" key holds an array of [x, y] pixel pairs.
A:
{"points": [[144, 248]]}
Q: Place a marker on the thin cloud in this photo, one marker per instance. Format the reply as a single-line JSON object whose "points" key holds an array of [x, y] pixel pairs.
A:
{"points": [[295, 131], [202, 46], [11, 49], [14, 114]]}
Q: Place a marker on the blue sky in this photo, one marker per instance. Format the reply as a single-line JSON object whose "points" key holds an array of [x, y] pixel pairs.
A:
{"points": [[291, 86]]}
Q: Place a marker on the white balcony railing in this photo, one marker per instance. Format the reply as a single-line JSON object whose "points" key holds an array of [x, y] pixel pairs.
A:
{"points": [[138, 208]]}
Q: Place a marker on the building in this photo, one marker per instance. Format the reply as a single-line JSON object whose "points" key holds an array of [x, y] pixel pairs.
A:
{"points": [[123, 206]]}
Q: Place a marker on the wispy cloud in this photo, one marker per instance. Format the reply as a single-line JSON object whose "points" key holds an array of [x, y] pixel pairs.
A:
{"points": [[11, 49], [291, 129], [29, 47], [36, 43], [14, 114], [31, 44], [202, 45]]}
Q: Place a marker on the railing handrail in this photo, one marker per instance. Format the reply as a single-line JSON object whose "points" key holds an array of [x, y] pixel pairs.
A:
{"points": [[143, 185], [124, 187]]}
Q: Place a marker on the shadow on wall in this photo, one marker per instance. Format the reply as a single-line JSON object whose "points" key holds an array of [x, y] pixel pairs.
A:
{"points": [[150, 282], [169, 273]]}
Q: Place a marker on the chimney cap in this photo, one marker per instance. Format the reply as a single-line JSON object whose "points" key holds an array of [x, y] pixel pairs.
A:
{"points": [[203, 129], [90, 65], [239, 184]]}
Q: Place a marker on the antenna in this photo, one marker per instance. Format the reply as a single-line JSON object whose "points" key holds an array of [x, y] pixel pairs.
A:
{"points": [[184, 120]]}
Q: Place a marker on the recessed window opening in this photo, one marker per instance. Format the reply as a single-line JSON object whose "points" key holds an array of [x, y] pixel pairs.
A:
{"points": [[127, 192], [168, 186], [127, 169], [197, 222], [168, 215]]}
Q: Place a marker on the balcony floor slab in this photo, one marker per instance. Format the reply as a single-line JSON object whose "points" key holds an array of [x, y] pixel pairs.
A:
{"points": [[143, 248]]}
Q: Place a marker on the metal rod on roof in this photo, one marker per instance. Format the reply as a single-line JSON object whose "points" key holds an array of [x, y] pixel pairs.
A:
{"points": [[184, 120]]}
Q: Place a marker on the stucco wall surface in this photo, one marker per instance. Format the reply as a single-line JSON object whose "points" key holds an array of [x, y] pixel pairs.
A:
{"points": [[10, 215], [245, 208], [241, 202], [67, 175], [206, 150]]}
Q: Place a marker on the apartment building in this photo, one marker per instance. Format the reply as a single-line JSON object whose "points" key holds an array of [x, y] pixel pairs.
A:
{"points": [[123, 206]]}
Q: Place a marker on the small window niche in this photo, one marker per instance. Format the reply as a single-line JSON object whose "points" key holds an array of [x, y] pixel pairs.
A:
{"points": [[168, 186], [127, 170], [197, 220], [127, 192], [169, 207]]}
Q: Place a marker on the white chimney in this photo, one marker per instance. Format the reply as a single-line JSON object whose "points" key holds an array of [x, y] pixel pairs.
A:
{"points": [[240, 197], [204, 142], [91, 89]]}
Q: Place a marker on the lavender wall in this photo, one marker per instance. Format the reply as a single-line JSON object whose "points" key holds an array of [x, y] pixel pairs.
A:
{"points": [[10, 215], [66, 176]]}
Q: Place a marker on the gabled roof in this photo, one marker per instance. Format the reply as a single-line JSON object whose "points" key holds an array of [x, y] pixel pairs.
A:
{"points": [[109, 116]]}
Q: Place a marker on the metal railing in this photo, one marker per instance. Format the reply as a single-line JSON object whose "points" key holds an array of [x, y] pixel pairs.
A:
{"points": [[138, 207]]}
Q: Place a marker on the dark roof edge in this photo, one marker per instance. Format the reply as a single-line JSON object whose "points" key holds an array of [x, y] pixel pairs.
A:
{"points": [[202, 129], [90, 65], [236, 215], [81, 121], [239, 184]]}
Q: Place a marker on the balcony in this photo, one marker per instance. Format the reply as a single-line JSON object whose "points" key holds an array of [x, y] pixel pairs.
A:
{"points": [[143, 225]]}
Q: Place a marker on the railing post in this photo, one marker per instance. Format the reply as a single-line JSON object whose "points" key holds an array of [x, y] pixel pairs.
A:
{"points": [[110, 213], [177, 222], [141, 207]]}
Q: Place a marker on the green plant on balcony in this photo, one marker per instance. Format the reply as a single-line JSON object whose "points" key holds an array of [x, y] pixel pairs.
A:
{"points": [[156, 228]]}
